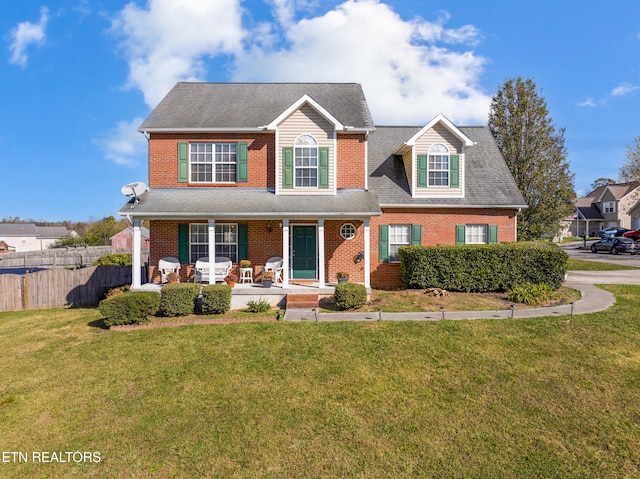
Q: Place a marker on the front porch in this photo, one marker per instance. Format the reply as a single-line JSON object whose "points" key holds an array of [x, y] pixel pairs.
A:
{"points": [[276, 295]]}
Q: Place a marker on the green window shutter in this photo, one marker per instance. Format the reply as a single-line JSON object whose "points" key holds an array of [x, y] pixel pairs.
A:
{"points": [[383, 243], [242, 162], [243, 242], [460, 234], [183, 243], [416, 234], [323, 167], [454, 171], [422, 170], [492, 233], [287, 167], [183, 162]]}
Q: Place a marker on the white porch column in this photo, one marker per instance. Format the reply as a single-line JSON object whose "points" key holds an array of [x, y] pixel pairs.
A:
{"points": [[367, 255], [285, 253], [136, 247], [321, 253], [212, 242]]}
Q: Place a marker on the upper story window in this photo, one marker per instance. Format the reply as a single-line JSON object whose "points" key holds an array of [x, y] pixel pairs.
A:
{"points": [[213, 162], [610, 207], [438, 165], [306, 162]]}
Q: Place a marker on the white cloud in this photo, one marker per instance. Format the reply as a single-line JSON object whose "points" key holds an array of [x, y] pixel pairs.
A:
{"points": [[588, 102], [25, 34], [124, 145], [624, 89], [169, 41], [406, 76]]}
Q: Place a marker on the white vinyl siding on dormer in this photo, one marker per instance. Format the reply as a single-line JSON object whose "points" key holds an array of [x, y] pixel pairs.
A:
{"points": [[305, 121], [438, 134]]}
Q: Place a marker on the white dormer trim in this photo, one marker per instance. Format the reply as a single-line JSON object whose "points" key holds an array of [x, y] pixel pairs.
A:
{"points": [[440, 118], [297, 105]]}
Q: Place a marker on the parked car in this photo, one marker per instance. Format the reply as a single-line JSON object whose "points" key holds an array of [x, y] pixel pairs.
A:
{"points": [[616, 246], [633, 234], [611, 232]]}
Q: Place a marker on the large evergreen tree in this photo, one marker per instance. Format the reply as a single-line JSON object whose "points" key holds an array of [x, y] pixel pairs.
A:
{"points": [[535, 153]]}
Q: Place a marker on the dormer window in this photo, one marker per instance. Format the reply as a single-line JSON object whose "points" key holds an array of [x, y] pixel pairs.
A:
{"points": [[306, 162], [438, 165]]}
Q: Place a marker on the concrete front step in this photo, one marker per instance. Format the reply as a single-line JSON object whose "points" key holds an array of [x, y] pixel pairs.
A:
{"points": [[302, 300]]}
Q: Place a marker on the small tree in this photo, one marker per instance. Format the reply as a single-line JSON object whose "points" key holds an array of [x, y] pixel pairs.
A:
{"points": [[630, 171], [535, 153]]}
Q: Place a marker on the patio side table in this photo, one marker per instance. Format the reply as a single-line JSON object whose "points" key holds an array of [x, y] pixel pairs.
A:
{"points": [[246, 275]]}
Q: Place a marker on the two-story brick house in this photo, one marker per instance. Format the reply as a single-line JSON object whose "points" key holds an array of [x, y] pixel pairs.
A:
{"points": [[300, 171]]}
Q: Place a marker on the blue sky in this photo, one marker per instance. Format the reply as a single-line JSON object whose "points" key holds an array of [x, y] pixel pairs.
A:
{"points": [[78, 77]]}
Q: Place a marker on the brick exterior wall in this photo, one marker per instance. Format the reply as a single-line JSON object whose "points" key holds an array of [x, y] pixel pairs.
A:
{"points": [[438, 228], [163, 159], [351, 157]]}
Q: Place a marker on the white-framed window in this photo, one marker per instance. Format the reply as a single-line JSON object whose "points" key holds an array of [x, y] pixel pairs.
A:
{"points": [[213, 162], [226, 241], [438, 165], [348, 231], [475, 234], [306, 162], [610, 207], [399, 235]]}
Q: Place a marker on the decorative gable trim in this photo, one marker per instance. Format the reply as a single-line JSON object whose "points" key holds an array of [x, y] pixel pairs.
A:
{"points": [[315, 105], [440, 118]]}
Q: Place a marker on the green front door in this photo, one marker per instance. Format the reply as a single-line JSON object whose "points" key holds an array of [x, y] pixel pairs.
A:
{"points": [[303, 252]]}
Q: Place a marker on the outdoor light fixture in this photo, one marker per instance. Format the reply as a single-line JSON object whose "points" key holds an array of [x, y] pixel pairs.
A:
{"points": [[442, 311], [268, 226], [359, 257], [513, 308], [571, 308], [379, 314], [315, 312]]}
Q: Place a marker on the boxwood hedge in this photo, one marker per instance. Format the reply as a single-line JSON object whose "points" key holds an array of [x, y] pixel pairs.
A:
{"points": [[350, 296], [131, 307], [216, 298], [483, 268], [178, 299]]}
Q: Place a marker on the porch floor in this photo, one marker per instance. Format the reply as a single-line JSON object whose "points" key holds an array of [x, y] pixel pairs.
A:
{"points": [[257, 288]]}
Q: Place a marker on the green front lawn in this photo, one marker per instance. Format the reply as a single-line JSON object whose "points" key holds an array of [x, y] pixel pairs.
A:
{"points": [[546, 397], [586, 265]]}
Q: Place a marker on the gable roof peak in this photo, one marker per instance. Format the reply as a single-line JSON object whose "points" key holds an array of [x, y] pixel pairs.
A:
{"points": [[448, 124]]}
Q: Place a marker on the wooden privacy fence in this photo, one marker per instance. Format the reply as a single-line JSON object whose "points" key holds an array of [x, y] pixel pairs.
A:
{"points": [[60, 287]]}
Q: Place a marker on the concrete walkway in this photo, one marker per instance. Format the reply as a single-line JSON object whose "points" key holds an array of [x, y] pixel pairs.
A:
{"points": [[593, 300]]}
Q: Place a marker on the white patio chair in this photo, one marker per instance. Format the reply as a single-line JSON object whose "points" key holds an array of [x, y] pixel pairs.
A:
{"points": [[202, 270], [221, 268], [274, 264], [168, 265]]}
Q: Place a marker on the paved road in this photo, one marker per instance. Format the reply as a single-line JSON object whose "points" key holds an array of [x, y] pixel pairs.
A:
{"points": [[577, 251]]}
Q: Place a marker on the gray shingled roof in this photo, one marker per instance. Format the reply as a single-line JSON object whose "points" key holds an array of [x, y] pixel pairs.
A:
{"points": [[249, 203], [30, 229], [194, 106], [488, 181]]}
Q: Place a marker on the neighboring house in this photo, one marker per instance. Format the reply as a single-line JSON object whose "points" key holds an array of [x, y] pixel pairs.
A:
{"points": [[606, 206], [124, 239], [29, 237], [5, 248], [301, 172]]}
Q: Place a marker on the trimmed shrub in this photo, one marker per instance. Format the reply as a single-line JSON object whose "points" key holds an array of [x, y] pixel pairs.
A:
{"points": [[258, 306], [483, 268], [350, 296], [178, 299], [216, 298], [131, 307], [120, 259], [532, 294]]}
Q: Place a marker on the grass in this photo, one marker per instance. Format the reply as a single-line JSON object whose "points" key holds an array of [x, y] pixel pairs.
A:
{"points": [[587, 265], [545, 397]]}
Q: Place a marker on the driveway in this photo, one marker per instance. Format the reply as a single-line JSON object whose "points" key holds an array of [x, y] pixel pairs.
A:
{"points": [[577, 251]]}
